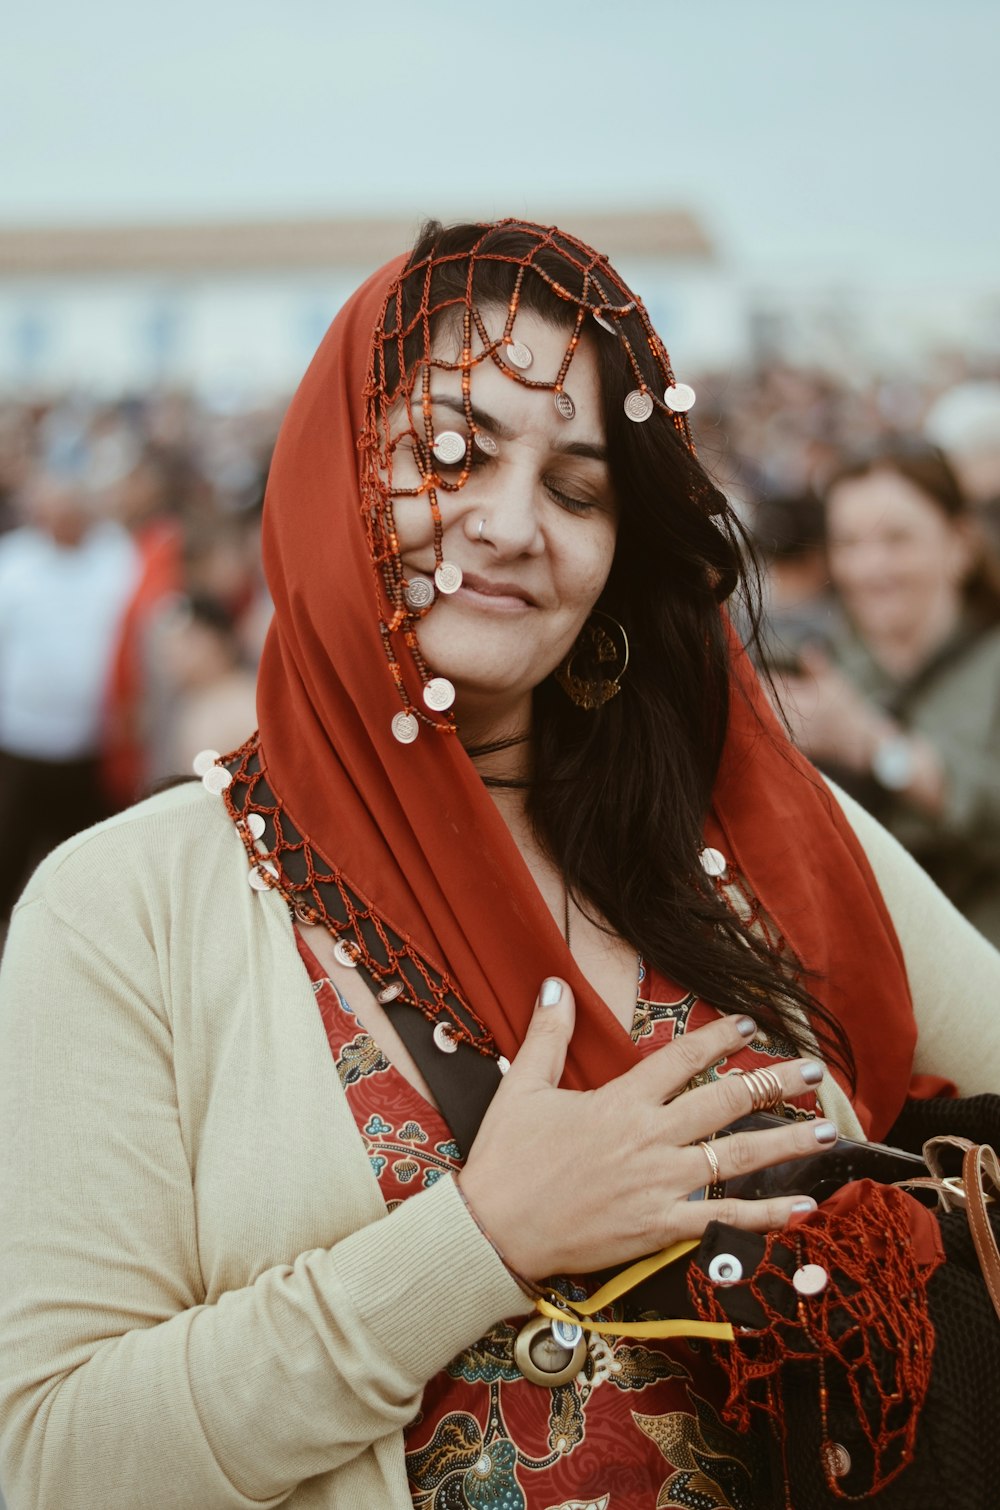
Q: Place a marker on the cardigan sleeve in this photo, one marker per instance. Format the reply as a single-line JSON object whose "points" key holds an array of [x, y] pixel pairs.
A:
{"points": [[119, 1384], [954, 972]]}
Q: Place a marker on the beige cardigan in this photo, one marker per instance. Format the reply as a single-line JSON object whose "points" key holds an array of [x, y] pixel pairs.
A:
{"points": [[203, 1303]]}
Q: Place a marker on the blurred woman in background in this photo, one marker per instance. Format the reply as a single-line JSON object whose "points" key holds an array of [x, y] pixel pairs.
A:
{"points": [[904, 710]]}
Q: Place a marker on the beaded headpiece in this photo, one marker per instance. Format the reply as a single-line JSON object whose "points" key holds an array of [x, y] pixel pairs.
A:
{"points": [[436, 293]]}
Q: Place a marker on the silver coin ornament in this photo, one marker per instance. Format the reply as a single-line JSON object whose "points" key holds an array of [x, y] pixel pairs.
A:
{"points": [[518, 355], [503, 1063], [346, 953], [439, 694], [486, 443], [448, 577], [838, 1459], [259, 873], [389, 993], [713, 862], [204, 761], [405, 728], [444, 1038], [449, 447], [810, 1279], [216, 779], [680, 397], [564, 404], [418, 592], [604, 323], [255, 824], [638, 406]]}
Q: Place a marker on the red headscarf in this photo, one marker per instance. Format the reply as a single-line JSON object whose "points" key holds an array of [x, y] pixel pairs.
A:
{"points": [[417, 834]]}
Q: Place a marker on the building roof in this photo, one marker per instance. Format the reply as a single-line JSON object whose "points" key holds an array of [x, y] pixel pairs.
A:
{"points": [[281, 245]]}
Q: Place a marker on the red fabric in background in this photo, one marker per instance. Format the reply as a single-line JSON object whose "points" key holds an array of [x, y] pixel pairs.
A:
{"points": [[415, 831], [160, 576]]}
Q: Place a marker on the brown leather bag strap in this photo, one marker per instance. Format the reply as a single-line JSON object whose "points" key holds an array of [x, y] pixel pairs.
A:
{"points": [[980, 1161]]}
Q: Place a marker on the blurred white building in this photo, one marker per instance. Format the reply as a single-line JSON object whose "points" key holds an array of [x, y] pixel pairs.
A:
{"points": [[235, 311]]}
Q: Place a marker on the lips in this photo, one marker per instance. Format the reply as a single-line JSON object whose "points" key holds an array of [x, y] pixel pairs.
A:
{"points": [[487, 587]]}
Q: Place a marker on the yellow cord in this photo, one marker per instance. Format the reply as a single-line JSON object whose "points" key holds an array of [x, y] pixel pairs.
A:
{"points": [[578, 1312]]}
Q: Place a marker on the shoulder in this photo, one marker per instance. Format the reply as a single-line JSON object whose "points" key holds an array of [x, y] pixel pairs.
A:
{"points": [[159, 860]]}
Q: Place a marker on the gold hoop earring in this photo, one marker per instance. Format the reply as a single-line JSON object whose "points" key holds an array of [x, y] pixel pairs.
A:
{"points": [[596, 644]]}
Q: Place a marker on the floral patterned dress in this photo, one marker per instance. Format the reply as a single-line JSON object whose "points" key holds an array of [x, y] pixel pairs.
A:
{"points": [[639, 1426]]}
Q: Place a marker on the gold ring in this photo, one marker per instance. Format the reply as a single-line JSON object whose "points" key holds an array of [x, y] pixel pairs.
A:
{"points": [[766, 1091], [713, 1161]]}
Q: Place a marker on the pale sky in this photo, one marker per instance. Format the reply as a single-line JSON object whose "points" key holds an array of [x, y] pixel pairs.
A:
{"points": [[854, 139]]}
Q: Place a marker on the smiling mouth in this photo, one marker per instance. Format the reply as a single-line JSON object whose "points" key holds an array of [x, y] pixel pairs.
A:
{"points": [[500, 595], [484, 593]]}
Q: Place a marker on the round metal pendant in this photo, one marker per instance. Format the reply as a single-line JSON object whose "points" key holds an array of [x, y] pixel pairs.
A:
{"points": [[810, 1279], [444, 1038], [255, 824], [604, 324], [346, 953], [518, 355], [439, 694], [405, 728], [486, 443], [713, 862], [680, 398], [638, 406], [564, 404], [838, 1459], [389, 993], [449, 447], [216, 779], [419, 592], [258, 876], [448, 577], [204, 761], [544, 1360]]}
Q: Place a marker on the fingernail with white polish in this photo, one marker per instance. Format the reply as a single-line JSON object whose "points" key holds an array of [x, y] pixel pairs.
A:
{"points": [[811, 1072], [806, 1204], [551, 992], [825, 1132], [746, 1026]]}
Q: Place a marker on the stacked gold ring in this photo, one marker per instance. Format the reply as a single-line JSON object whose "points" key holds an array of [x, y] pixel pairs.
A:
{"points": [[713, 1161], [765, 1089]]}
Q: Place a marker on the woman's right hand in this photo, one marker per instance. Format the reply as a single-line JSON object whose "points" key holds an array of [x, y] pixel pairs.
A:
{"points": [[567, 1182]]}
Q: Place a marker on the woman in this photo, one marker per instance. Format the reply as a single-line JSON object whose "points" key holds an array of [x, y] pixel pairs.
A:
{"points": [[516, 816], [905, 712]]}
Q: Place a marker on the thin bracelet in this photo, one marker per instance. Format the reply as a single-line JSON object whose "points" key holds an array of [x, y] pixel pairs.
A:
{"points": [[527, 1285]]}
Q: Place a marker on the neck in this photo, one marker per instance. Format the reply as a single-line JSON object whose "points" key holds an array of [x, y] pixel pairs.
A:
{"points": [[904, 649]]}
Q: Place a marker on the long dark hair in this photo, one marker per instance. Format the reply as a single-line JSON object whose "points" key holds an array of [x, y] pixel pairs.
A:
{"points": [[619, 795]]}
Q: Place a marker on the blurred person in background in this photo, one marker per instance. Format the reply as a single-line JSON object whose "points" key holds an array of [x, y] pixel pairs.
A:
{"points": [[214, 690], [143, 504], [64, 580], [799, 607], [904, 708]]}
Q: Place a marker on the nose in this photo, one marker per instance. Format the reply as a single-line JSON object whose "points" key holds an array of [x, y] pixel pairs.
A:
{"points": [[504, 511]]}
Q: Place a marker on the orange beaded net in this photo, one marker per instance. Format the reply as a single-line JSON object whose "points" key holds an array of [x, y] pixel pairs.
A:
{"points": [[435, 318], [453, 312], [867, 1333], [319, 892]]}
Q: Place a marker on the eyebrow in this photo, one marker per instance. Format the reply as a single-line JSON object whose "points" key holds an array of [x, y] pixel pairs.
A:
{"points": [[583, 448]]}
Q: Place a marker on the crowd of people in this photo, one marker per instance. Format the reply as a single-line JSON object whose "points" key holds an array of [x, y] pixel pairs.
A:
{"points": [[133, 607]]}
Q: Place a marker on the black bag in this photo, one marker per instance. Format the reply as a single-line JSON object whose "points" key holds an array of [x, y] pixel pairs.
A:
{"points": [[955, 1464]]}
